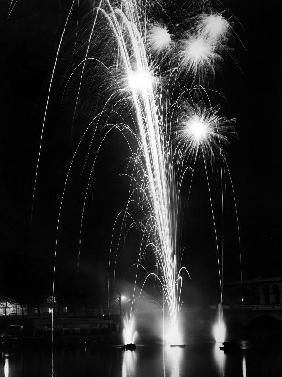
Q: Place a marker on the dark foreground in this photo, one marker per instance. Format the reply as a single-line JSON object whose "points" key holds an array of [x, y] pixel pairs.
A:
{"points": [[196, 360]]}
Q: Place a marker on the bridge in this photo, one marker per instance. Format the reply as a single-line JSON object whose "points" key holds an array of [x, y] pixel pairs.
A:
{"points": [[248, 301]]}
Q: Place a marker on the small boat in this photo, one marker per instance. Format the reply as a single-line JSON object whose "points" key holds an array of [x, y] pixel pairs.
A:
{"points": [[129, 347]]}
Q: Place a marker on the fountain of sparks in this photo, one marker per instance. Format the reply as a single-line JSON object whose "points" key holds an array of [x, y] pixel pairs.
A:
{"points": [[219, 328], [153, 165], [129, 333]]}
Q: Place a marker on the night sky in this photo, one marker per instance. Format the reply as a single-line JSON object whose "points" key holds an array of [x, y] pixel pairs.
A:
{"points": [[249, 78]]}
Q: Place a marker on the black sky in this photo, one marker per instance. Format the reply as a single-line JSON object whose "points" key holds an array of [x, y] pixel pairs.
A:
{"points": [[250, 80]]}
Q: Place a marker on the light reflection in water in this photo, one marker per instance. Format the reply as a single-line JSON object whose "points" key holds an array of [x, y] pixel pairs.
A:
{"points": [[129, 360], [244, 366], [174, 356], [220, 359], [6, 367]]}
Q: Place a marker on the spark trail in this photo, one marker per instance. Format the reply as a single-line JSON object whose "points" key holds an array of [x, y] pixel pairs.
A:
{"points": [[153, 162]]}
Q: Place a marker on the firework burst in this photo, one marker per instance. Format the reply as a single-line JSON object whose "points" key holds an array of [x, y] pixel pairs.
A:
{"points": [[203, 128], [159, 39]]}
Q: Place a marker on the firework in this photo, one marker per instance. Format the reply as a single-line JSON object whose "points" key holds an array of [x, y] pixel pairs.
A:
{"points": [[203, 128], [197, 54], [159, 39], [214, 27], [153, 164]]}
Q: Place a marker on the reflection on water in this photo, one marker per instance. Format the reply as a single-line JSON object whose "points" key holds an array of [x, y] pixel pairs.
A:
{"points": [[129, 360], [220, 359], [173, 359], [244, 366], [6, 367], [196, 360]]}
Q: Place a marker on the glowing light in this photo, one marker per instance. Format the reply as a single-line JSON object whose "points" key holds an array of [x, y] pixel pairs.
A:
{"points": [[6, 367], [129, 360], [129, 333], [219, 328], [220, 359], [174, 359], [159, 38], [123, 298], [203, 127], [244, 366], [172, 333], [198, 128], [140, 80], [197, 53], [213, 26]]}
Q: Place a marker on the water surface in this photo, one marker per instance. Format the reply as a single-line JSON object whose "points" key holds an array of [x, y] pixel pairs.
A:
{"points": [[196, 360]]}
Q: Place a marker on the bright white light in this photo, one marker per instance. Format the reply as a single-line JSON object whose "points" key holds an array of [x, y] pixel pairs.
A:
{"points": [[159, 38], [197, 52], [172, 333], [140, 80], [174, 358], [244, 366], [219, 331], [198, 128], [50, 310], [129, 332], [123, 298], [214, 26], [6, 367], [220, 359], [219, 328], [129, 360], [203, 127]]}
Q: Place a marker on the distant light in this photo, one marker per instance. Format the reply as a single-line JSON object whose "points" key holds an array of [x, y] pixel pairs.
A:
{"points": [[123, 298], [242, 299], [50, 310]]}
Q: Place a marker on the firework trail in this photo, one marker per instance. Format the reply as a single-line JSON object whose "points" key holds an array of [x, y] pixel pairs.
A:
{"points": [[153, 162]]}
